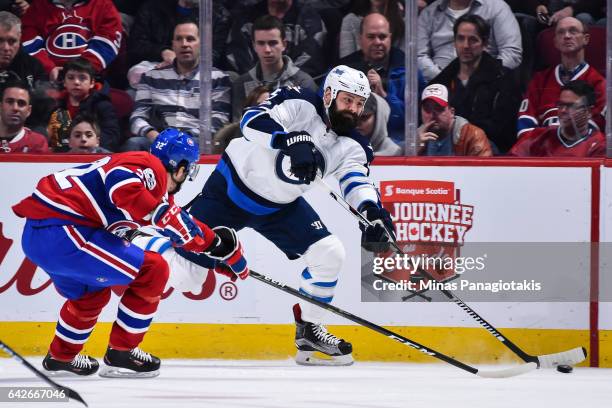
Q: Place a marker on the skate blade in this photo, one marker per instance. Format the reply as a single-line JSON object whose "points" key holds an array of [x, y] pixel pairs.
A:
{"points": [[117, 372], [315, 358], [64, 374]]}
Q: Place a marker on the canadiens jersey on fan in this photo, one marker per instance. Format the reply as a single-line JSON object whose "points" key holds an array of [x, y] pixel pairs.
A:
{"points": [[539, 108], [547, 142], [258, 176], [54, 34], [105, 193]]}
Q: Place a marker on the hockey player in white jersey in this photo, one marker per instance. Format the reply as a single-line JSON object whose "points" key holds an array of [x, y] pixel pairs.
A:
{"points": [[288, 140]]}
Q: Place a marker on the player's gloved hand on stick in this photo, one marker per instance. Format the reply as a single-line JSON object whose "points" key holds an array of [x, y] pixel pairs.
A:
{"points": [[228, 251], [301, 151], [178, 225], [374, 238]]}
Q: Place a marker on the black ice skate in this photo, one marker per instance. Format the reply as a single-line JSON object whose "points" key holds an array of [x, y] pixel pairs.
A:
{"points": [[311, 338], [80, 365], [133, 363]]}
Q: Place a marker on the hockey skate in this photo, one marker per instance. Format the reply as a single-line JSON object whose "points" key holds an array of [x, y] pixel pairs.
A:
{"points": [[80, 365], [133, 363], [316, 346]]}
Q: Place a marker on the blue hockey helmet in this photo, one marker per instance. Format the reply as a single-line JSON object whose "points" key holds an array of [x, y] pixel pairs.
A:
{"points": [[174, 148]]}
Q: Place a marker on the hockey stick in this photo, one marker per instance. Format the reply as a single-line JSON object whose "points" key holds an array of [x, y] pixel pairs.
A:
{"points": [[504, 373], [571, 357], [71, 393]]}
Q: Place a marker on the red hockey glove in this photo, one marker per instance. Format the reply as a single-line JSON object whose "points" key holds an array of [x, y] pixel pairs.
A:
{"points": [[178, 225]]}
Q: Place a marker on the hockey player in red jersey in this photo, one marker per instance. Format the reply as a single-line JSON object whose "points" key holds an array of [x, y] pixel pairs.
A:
{"points": [[575, 136], [539, 109], [55, 31], [68, 233]]}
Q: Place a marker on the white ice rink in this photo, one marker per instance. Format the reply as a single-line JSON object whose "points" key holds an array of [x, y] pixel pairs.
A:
{"points": [[282, 384]]}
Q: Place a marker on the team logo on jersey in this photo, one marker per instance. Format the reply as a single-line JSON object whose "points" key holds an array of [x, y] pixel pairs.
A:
{"points": [[149, 178], [70, 39], [283, 167]]}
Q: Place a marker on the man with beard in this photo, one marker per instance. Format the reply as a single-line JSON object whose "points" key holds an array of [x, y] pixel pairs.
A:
{"points": [[445, 134], [70, 221], [290, 140]]}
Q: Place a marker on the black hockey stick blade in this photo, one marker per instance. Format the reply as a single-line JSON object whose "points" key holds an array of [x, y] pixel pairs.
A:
{"points": [[72, 394], [504, 373]]}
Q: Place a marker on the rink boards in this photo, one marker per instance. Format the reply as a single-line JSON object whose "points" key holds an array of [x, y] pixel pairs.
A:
{"points": [[510, 200]]}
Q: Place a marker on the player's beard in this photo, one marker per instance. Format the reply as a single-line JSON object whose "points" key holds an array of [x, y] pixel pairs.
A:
{"points": [[342, 122]]}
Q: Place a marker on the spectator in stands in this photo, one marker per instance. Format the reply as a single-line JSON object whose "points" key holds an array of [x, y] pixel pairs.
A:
{"points": [[13, 60], [539, 105], [272, 69], [150, 40], [304, 31], [14, 110], [372, 123], [590, 12], [393, 10], [57, 31], [85, 136], [445, 134], [384, 66], [231, 131], [575, 136], [480, 89], [170, 96], [81, 95], [435, 48]]}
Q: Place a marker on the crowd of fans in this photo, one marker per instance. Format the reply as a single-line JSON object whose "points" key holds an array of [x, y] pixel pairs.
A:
{"points": [[99, 76]]}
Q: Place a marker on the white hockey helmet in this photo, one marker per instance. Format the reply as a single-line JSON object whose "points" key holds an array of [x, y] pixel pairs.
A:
{"points": [[347, 79]]}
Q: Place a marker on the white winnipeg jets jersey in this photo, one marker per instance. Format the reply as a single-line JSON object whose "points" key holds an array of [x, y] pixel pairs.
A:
{"points": [[264, 171]]}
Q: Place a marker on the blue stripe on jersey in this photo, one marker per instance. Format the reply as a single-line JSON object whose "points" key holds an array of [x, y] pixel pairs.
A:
{"points": [[104, 50], [238, 195], [33, 45], [351, 186], [70, 334], [525, 123], [351, 174], [262, 123], [133, 322], [248, 115], [320, 299], [99, 192]]}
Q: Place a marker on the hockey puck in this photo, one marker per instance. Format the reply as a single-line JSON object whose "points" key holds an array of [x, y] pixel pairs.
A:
{"points": [[562, 368]]}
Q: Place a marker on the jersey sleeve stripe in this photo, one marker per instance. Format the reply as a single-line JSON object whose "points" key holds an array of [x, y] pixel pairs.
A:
{"points": [[351, 174]]}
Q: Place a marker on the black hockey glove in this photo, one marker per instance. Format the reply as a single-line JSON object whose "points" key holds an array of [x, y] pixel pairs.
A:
{"points": [[374, 238], [301, 151]]}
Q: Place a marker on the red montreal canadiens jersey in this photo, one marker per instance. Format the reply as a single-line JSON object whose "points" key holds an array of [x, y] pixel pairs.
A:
{"points": [[539, 108], [26, 141], [54, 35], [546, 142], [108, 192]]}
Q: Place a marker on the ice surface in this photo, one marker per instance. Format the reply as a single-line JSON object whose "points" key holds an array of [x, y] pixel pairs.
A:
{"points": [[282, 384]]}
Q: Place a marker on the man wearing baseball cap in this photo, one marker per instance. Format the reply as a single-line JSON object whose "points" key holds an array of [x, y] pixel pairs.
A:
{"points": [[445, 134]]}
